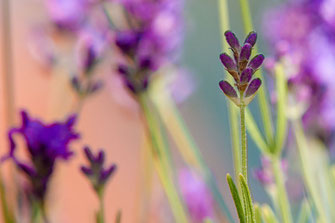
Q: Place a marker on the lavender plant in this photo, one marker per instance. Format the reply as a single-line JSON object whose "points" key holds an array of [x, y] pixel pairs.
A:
{"points": [[242, 70], [98, 175], [45, 143]]}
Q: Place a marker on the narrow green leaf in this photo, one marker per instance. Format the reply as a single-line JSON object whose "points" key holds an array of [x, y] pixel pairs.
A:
{"points": [[236, 198], [248, 200], [255, 133]]}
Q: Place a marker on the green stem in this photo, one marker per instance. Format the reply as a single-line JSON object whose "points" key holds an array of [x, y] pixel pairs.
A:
{"points": [[281, 196], [100, 218], [244, 144], [161, 161]]}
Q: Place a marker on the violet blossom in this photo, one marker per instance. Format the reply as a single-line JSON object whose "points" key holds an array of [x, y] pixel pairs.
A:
{"points": [[150, 41], [304, 42], [242, 69], [45, 143], [196, 196]]}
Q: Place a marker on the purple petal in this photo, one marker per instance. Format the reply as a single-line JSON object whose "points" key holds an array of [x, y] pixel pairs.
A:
{"points": [[256, 62], [232, 40], [251, 38], [245, 52], [228, 89], [123, 69], [227, 61], [246, 75], [253, 87], [26, 169]]}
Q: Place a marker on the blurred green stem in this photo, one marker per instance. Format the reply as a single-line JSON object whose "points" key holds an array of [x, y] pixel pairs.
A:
{"points": [[281, 196], [233, 113], [161, 160], [302, 146], [101, 212]]}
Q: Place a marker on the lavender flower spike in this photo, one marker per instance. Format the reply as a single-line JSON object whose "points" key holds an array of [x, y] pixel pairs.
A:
{"points": [[96, 172], [45, 144], [241, 69]]}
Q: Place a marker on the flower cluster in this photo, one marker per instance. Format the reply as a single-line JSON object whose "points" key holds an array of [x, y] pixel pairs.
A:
{"points": [[241, 69], [96, 172], [149, 41], [45, 144], [303, 38]]}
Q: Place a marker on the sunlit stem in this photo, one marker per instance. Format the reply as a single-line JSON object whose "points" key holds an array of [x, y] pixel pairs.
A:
{"points": [[281, 196], [161, 160], [244, 147]]}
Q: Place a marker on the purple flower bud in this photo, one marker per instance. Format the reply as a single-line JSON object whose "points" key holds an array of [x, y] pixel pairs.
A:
{"points": [[101, 157], [245, 52], [253, 87], [87, 171], [106, 174], [123, 69], [227, 61], [246, 75], [251, 38], [75, 83], [127, 41], [89, 58], [89, 154], [232, 40], [256, 62], [228, 89]]}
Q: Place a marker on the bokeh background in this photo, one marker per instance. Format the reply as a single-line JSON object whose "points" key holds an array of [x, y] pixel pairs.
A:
{"points": [[105, 123]]}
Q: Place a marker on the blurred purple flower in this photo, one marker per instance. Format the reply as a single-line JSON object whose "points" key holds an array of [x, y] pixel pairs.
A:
{"points": [[45, 144], [196, 196], [96, 172], [67, 14], [265, 174], [303, 37], [151, 39]]}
